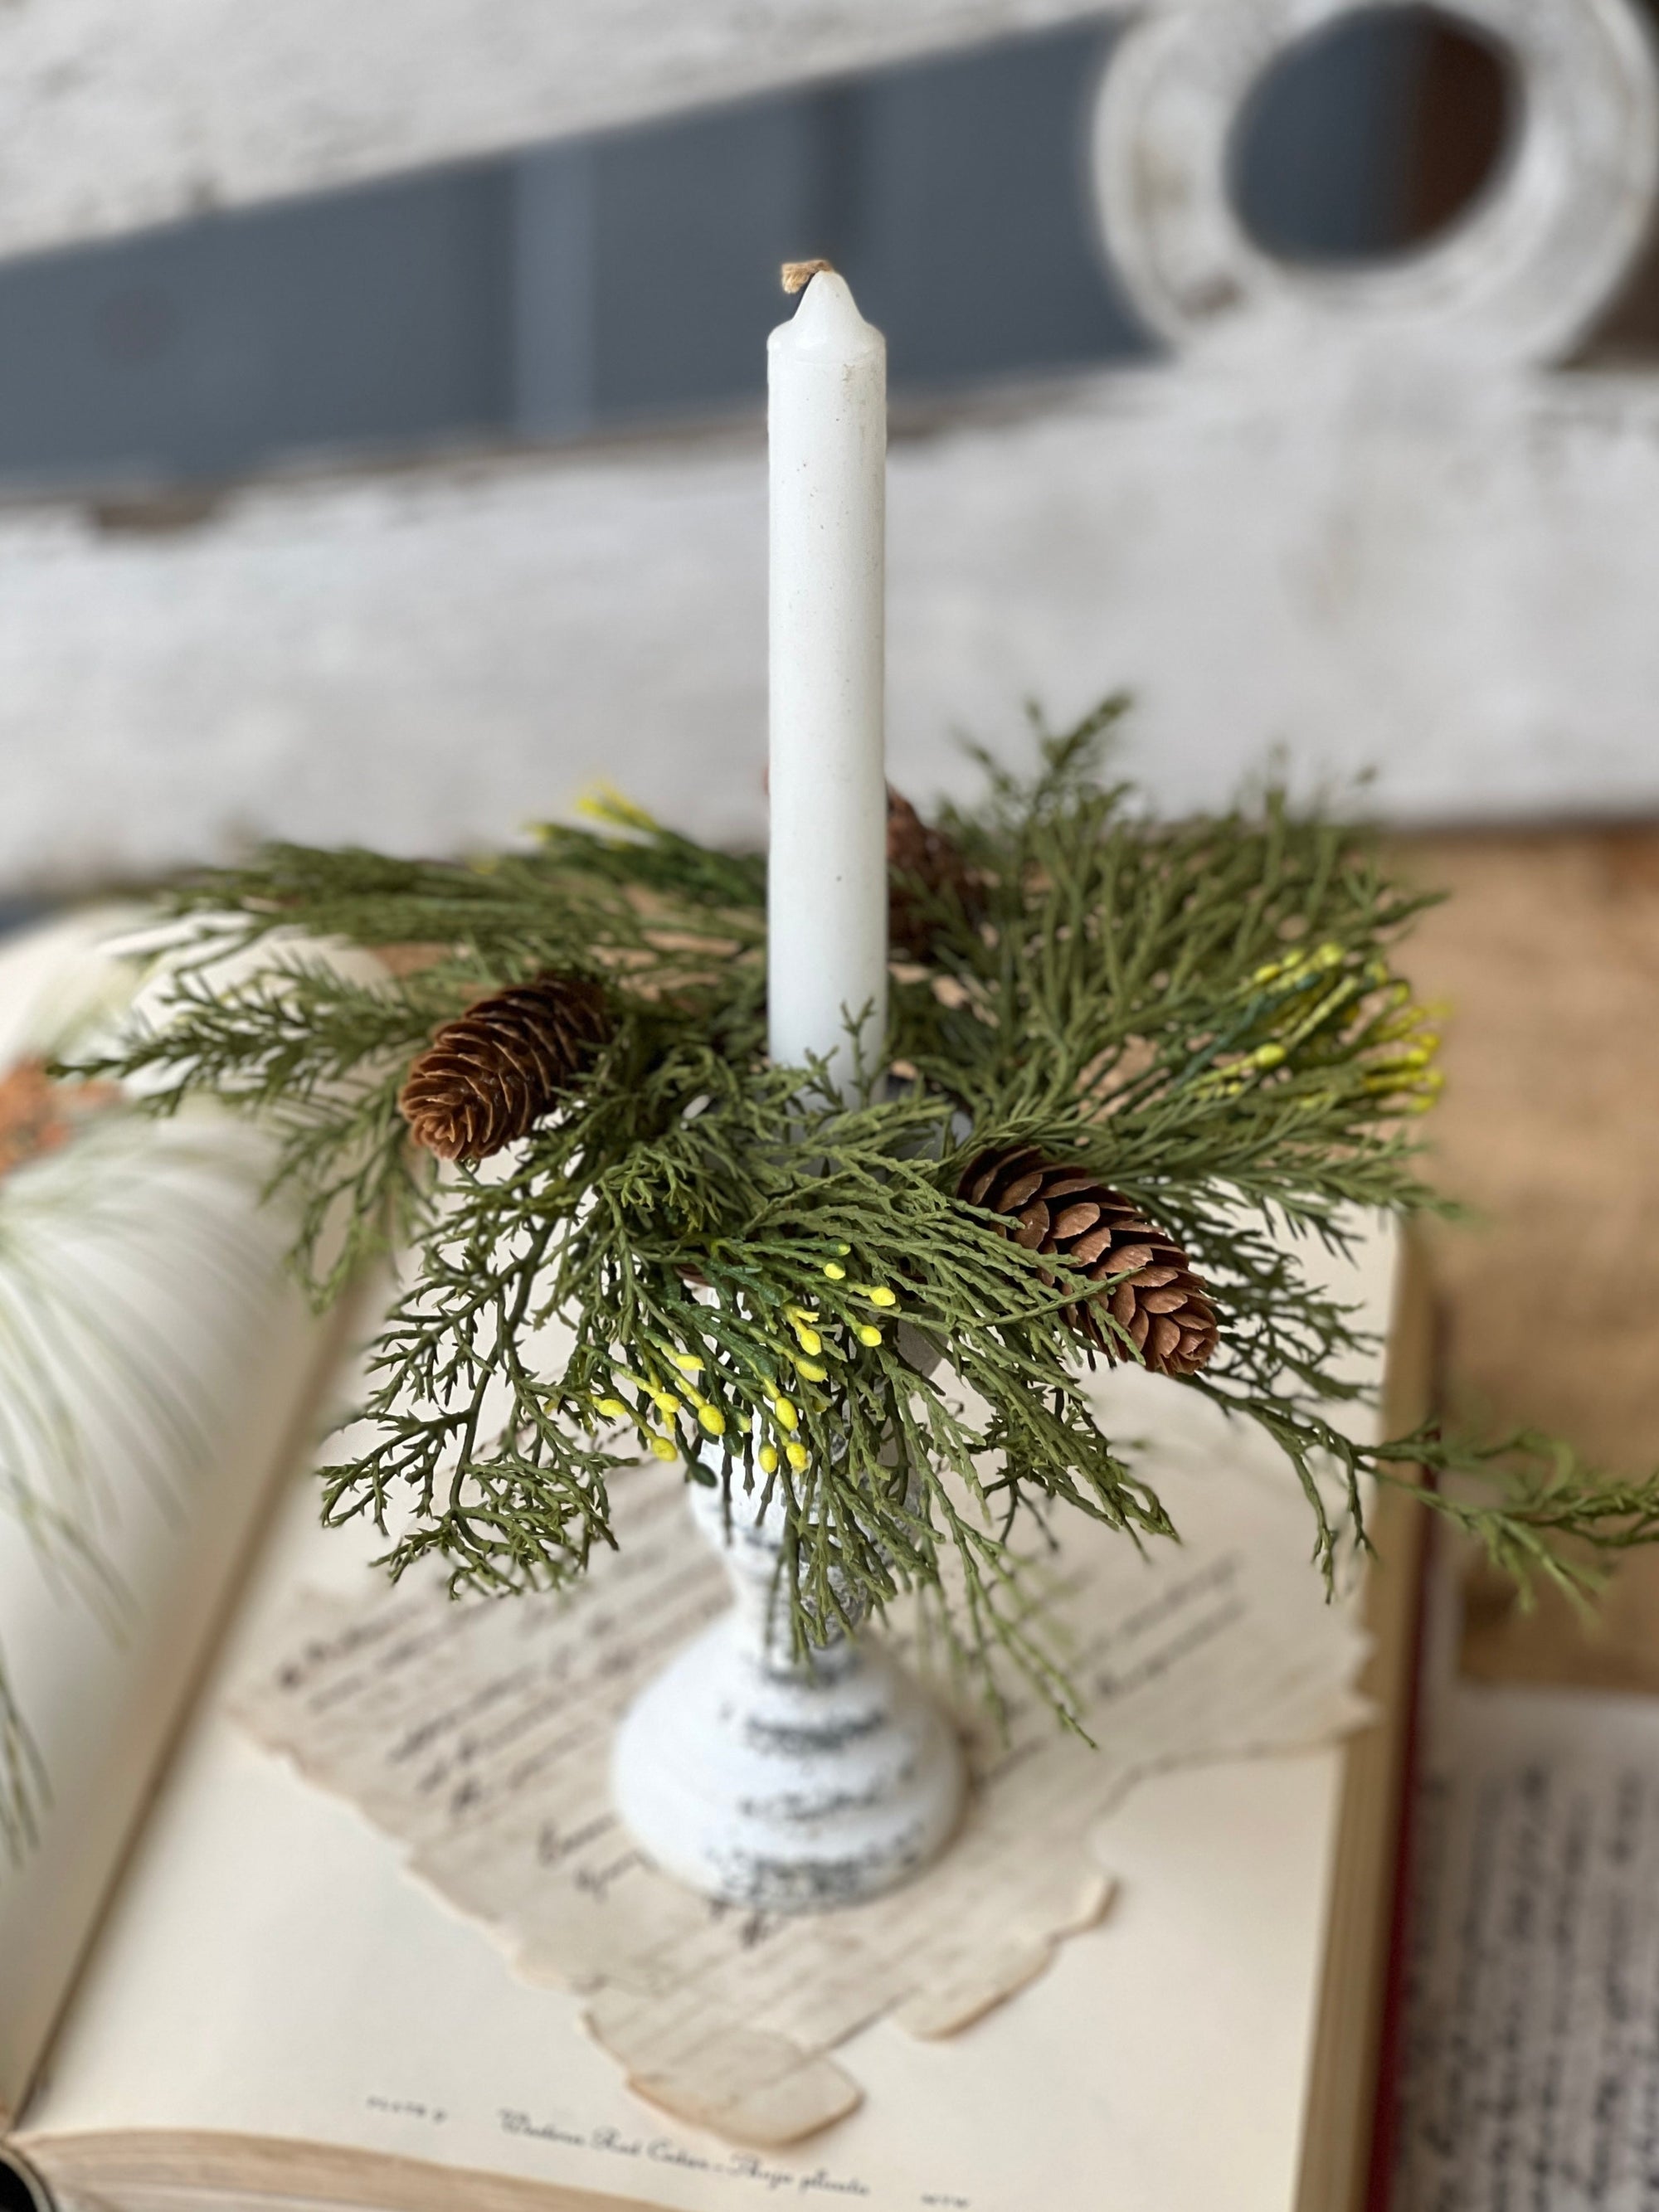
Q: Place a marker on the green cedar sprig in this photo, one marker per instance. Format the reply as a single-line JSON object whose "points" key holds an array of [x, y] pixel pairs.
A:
{"points": [[707, 1257]]}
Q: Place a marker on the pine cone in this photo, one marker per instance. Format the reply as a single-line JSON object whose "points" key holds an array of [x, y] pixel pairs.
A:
{"points": [[934, 868], [1052, 1208], [490, 1074]]}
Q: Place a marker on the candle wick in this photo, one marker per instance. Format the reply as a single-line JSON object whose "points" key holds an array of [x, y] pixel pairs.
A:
{"points": [[798, 275]]}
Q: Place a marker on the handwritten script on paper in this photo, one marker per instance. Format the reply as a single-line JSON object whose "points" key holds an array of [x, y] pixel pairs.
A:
{"points": [[477, 1735], [1531, 2068]]}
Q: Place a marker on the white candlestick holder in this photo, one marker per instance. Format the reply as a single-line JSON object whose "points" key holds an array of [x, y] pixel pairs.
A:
{"points": [[773, 1782]]}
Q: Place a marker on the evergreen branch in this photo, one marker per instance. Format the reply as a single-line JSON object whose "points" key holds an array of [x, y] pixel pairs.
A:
{"points": [[699, 1256], [1536, 1509]]}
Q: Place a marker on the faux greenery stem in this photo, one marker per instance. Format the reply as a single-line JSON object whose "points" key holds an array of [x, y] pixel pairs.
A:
{"points": [[695, 1246]]}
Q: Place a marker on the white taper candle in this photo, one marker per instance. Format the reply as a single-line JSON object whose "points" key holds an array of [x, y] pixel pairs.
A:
{"points": [[827, 903]]}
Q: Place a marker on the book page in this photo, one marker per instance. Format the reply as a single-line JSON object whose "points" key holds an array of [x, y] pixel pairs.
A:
{"points": [[479, 1735], [1530, 2068], [143, 1283], [274, 1970]]}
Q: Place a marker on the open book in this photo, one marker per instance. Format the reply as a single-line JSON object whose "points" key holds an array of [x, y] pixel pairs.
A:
{"points": [[220, 1986]]}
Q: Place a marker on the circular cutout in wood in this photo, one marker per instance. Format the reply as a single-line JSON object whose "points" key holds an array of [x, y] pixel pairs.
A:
{"points": [[1518, 276]]}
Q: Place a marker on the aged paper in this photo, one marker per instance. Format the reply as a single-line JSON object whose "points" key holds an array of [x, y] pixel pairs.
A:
{"points": [[1530, 2070], [477, 1735], [145, 1308]]}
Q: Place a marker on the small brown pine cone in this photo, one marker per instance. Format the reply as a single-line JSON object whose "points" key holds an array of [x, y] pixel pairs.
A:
{"points": [[923, 866], [1155, 1297], [489, 1075]]}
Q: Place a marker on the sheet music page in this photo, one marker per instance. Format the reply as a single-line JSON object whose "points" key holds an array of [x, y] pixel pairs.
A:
{"points": [[1531, 2075], [478, 1736]]}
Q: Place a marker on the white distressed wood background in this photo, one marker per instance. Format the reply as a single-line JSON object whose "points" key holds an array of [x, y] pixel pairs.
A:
{"points": [[115, 113], [1362, 518]]}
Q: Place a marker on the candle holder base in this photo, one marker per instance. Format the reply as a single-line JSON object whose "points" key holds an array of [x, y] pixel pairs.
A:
{"points": [[779, 1784]]}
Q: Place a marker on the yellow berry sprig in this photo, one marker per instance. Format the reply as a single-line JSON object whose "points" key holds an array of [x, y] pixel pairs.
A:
{"points": [[1317, 1030], [762, 1389]]}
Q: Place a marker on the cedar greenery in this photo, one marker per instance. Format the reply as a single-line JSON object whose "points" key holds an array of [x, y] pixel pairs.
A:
{"points": [[714, 1259]]}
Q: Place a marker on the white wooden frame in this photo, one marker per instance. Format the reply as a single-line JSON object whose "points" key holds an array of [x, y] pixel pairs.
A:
{"points": [[1362, 518]]}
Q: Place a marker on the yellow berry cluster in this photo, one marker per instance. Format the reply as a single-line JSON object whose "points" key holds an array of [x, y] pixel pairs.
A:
{"points": [[1315, 1003], [809, 1356], [674, 1392], [1409, 1042]]}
